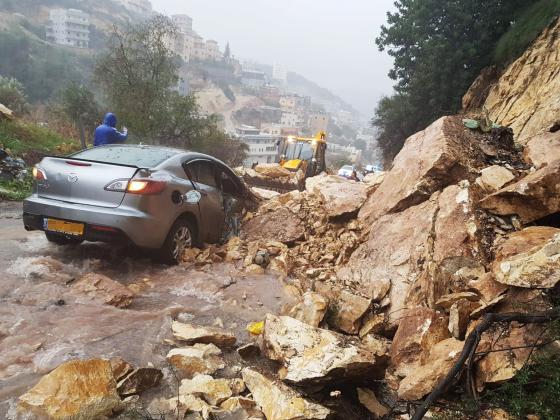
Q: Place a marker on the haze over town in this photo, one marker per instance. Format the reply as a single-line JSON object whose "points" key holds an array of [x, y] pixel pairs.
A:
{"points": [[329, 42]]}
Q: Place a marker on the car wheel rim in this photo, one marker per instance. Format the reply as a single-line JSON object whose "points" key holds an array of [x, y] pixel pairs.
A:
{"points": [[181, 241]]}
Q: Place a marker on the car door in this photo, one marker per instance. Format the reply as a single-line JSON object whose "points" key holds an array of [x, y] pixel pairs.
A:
{"points": [[202, 173]]}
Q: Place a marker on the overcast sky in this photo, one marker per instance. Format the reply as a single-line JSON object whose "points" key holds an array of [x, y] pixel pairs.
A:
{"points": [[331, 42]]}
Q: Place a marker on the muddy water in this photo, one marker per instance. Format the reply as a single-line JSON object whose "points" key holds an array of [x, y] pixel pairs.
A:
{"points": [[43, 322]]}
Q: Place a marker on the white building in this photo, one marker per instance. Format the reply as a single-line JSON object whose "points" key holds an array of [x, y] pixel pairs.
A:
{"points": [[142, 7], [280, 72], [263, 148], [68, 27]]}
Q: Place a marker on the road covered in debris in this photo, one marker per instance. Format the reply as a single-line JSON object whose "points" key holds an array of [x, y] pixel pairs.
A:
{"points": [[92, 301], [346, 300]]}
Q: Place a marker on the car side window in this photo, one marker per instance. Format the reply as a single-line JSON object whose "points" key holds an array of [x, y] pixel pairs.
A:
{"points": [[228, 184], [202, 172]]}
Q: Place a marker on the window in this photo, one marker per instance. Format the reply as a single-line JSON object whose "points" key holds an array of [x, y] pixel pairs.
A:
{"points": [[202, 171], [141, 156]]}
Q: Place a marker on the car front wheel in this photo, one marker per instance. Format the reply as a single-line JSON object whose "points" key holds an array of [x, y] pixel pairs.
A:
{"points": [[179, 238]]}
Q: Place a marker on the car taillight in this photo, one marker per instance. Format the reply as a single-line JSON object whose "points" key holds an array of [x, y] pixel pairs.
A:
{"points": [[39, 174], [145, 186], [136, 186]]}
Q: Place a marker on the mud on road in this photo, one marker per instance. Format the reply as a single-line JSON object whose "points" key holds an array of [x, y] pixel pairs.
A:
{"points": [[44, 322]]}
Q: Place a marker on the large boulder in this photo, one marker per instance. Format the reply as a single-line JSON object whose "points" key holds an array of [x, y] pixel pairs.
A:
{"points": [[529, 258], [279, 402], [404, 251], [341, 196], [419, 330], [276, 225], [78, 389], [316, 356], [507, 350], [542, 149], [422, 380], [531, 198], [443, 154], [526, 95]]}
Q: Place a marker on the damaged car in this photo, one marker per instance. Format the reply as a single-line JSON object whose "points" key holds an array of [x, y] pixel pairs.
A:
{"points": [[154, 197]]}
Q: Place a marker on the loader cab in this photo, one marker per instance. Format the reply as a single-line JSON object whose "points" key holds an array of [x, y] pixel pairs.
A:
{"points": [[307, 154]]}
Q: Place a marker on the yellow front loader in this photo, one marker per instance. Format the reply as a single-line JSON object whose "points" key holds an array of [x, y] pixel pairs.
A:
{"points": [[300, 158]]}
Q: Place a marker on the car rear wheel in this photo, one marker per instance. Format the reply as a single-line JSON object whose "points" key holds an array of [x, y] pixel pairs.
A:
{"points": [[179, 238], [59, 239]]}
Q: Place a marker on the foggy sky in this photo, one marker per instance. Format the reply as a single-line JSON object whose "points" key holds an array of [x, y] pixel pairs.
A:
{"points": [[331, 42]]}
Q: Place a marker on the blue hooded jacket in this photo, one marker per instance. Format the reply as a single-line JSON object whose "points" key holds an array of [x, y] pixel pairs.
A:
{"points": [[106, 133]]}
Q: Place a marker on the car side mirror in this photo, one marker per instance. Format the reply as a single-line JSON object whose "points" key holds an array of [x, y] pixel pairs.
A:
{"points": [[192, 197]]}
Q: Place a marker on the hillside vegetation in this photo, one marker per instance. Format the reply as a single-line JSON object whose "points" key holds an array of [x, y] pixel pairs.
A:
{"points": [[439, 48], [526, 27]]}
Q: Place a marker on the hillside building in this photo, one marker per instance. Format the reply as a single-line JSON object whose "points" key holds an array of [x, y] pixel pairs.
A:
{"points": [[280, 73], [68, 27], [263, 148], [253, 79]]}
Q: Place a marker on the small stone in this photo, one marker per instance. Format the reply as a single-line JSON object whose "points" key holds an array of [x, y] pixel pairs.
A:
{"points": [[120, 368], [208, 335], [139, 381], [369, 400], [200, 358], [279, 402], [249, 351], [213, 391]]}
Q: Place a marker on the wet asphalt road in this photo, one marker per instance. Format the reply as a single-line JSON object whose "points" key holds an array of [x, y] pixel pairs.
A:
{"points": [[44, 322]]}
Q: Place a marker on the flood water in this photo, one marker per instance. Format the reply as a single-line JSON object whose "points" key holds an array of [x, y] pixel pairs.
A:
{"points": [[44, 322]]}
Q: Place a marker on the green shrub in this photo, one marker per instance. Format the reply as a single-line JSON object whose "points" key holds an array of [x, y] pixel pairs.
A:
{"points": [[525, 29], [21, 137]]}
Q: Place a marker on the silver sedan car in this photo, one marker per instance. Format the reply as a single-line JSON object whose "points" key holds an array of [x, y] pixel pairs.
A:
{"points": [[155, 197]]}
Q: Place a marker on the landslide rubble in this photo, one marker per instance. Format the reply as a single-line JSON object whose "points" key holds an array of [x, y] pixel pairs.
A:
{"points": [[388, 277]]}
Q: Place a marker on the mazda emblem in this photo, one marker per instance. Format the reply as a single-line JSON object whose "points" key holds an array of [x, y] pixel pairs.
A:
{"points": [[72, 178]]}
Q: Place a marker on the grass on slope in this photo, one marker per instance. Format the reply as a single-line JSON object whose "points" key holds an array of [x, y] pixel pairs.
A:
{"points": [[526, 28], [21, 138]]}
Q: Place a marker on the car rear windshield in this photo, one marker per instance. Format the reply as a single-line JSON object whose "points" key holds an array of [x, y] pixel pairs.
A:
{"points": [[143, 157]]}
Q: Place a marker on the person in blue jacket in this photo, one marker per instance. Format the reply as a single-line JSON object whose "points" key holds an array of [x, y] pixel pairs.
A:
{"points": [[107, 133]]}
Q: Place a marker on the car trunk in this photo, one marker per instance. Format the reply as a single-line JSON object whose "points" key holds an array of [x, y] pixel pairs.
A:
{"points": [[82, 182]]}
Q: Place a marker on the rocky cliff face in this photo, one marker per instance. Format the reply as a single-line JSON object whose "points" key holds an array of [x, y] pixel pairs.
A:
{"points": [[526, 96]]}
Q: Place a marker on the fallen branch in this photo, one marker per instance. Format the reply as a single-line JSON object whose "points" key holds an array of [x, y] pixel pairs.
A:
{"points": [[470, 347]]}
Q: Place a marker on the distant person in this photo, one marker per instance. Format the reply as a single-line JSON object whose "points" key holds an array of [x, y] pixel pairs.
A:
{"points": [[107, 132]]}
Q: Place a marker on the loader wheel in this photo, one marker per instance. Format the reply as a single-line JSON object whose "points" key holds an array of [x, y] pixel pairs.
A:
{"points": [[179, 238]]}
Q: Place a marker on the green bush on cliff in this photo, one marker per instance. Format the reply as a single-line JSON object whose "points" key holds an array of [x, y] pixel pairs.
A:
{"points": [[525, 29]]}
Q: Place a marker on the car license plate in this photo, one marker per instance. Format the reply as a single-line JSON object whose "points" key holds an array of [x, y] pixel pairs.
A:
{"points": [[69, 228]]}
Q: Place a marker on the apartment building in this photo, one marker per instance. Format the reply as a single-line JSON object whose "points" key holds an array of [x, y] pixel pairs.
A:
{"points": [[68, 27], [263, 148]]}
